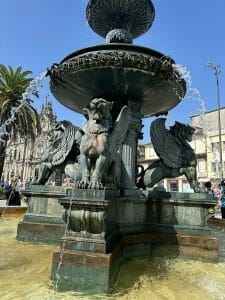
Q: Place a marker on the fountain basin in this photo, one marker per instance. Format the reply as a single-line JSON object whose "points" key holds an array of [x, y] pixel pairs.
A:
{"points": [[12, 211], [118, 72], [25, 270]]}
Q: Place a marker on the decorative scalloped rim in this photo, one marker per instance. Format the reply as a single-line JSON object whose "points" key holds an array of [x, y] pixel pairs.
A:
{"points": [[120, 59]]}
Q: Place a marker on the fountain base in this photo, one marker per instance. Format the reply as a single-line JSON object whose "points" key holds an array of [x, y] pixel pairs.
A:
{"points": [[97, 272], [104, 228]]}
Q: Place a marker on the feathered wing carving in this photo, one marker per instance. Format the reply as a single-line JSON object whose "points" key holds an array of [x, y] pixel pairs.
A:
{"points": [[119, 131], [60, 148], [167, 147]]}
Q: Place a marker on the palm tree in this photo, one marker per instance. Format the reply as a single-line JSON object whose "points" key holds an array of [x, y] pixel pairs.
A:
{"points": [[26, 124]]}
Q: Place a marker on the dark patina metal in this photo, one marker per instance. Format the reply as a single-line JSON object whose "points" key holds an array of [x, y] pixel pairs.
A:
{"points": [[118, 72], [133, 16]]}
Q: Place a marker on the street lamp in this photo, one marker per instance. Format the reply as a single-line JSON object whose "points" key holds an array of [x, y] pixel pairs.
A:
{"points": [[216, 69]]}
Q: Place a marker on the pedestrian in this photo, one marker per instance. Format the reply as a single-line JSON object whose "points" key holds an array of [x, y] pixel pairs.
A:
{"points": [[12, 193], [222, 199], [209, 189]]}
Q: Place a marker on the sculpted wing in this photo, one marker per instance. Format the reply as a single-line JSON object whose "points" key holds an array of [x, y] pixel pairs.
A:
{"points": [[62, 146], [119, 130], [166, 146]]}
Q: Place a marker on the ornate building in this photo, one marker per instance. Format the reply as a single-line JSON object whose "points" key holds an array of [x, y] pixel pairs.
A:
{"points": [[23, 156]]}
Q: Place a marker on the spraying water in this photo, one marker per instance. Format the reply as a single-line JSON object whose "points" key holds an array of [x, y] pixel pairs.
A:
{"points": [[62, 250], [192, 93], [32, 89]]}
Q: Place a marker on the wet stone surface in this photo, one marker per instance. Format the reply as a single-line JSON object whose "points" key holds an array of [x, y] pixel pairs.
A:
{"points": [[217, 227]]}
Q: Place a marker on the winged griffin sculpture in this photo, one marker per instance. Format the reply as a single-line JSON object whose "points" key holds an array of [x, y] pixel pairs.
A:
{"points": [[90, 155], [62, 153], [100, 144], [176, 155]]}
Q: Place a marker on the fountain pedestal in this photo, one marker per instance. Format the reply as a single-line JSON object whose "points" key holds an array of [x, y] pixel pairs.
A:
{"points": [[105, 227], [87, 260], [42, 221]]}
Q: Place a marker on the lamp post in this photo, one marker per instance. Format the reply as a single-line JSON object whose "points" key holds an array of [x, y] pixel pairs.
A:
{"points": [[216, 69]]}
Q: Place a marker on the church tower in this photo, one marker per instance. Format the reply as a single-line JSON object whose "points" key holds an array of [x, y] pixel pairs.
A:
{"points": [[23, 156]]}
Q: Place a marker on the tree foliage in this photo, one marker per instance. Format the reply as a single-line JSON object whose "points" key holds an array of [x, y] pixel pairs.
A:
{"points": [[26, 124]]}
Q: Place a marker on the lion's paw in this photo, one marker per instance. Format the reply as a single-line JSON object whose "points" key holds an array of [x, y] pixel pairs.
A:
{"points": [[95, 185]]}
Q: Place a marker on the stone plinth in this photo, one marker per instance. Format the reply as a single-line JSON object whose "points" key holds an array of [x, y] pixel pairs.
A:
{"points": [[85, 271], [180, 212], [92, 219], [88, 262], [104, 228], [43, 220]]}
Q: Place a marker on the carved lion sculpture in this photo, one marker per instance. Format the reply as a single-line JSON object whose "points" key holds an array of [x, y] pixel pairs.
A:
{"points": [[62, 153], [176, 155], [100, 144]]}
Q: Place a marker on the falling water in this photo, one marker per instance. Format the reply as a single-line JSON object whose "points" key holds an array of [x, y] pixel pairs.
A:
{"points": [[2, 215], [192, 93], [62, 250], [32, 89]]}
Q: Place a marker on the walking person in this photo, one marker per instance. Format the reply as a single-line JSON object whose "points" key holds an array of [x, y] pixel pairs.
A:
{"points": [[209, 189], [12, 193], [222, 199]]}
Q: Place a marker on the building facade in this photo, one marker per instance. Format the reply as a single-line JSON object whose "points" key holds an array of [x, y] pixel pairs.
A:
{"points": [[214, 168], [23, 156]]}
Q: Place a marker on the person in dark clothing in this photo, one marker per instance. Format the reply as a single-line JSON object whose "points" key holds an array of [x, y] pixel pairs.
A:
{"points": [[222, 199], [209, 189], [12, 194]]}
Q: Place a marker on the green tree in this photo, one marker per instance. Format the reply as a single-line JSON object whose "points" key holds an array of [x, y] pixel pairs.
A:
{"points": [[26, 124]]}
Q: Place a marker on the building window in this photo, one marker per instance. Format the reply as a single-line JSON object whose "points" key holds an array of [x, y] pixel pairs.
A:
{"points": [[216, 168], [201, 167], [213, 167], [173, 185], [215, 147], [36, 171]]}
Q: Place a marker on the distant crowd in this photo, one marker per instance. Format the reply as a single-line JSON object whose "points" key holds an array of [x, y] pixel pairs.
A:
{"points": [[13, 186], [218, 192]]}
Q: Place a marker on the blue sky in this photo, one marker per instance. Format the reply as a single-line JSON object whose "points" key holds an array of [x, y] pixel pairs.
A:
{"points": [[35, 34]]}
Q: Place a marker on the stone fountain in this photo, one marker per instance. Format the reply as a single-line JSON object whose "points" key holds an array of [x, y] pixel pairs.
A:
{"points": [[105, 215]]}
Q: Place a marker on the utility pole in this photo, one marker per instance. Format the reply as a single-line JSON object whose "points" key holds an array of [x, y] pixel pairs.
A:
{"points": [[216, 69]]}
